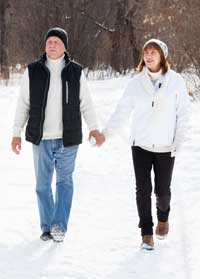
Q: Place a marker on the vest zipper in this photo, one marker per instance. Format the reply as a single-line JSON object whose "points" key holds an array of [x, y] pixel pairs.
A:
{"points": [[44, 104], [67, 87], [67, 92]]}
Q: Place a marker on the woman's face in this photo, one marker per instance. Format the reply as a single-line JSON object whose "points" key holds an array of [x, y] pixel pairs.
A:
{"points": [[152, 59]]}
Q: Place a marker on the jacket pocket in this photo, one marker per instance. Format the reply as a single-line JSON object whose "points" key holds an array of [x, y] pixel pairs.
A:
{"points": [[71, 117]]}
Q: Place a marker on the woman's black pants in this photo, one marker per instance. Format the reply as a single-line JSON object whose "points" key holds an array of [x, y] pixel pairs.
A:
{"points": [[162, 164]]}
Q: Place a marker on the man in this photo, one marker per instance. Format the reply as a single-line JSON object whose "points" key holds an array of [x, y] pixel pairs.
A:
{"points": [[53, 96]]}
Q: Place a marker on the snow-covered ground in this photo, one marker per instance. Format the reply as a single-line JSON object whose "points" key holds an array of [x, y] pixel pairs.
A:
{"points": [[103, 240]]}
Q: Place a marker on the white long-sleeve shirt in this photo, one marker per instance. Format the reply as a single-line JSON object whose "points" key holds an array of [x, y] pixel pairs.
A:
{"points": [[159, 114], [53, 126]]}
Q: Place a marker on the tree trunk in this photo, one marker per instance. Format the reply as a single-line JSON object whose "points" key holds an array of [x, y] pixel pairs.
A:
{"points": [[4, 64]]}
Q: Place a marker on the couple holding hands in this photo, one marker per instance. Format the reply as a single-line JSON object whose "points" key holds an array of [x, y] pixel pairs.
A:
{"points": [[54, 96]]}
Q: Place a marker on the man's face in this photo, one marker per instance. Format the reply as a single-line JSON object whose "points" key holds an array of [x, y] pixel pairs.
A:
{"points": [[54, 47]]}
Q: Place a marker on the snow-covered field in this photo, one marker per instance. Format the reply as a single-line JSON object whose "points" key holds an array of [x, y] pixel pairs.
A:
{"points": [[103, 241]]}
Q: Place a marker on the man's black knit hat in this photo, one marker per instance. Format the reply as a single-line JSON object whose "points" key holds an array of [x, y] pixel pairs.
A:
{"points": [[58, 32]]}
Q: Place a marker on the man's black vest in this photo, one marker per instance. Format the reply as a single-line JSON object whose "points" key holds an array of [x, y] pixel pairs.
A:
{"points": [[39, 77]]}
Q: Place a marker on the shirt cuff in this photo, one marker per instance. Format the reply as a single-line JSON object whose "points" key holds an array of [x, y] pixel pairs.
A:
{"points": [[93, 127], [17, 132]]}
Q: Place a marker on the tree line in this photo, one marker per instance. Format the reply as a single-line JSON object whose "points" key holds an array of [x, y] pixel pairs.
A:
{"points": [[102, 33]]}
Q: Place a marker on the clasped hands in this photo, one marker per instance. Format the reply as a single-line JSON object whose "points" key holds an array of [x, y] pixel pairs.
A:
{"points": [[99, 137]]}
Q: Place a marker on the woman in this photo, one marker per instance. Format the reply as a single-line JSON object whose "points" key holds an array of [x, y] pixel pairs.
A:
{"points": [[158, 100]]}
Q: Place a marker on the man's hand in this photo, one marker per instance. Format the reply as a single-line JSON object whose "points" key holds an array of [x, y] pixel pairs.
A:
{"points": [[16, 145], [99, 137]]}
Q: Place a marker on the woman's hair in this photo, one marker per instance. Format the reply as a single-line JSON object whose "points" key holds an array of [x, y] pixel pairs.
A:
{"points": [[164, 64]]}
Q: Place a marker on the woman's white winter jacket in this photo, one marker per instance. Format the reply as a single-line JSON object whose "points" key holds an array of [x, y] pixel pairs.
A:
{"points": [[159, 113]]}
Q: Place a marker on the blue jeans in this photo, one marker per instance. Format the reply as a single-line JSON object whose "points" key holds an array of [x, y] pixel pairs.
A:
{"points": [[50, 154]]}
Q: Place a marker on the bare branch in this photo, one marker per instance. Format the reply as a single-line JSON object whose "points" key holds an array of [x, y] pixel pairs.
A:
{"points": [[100, 25]]}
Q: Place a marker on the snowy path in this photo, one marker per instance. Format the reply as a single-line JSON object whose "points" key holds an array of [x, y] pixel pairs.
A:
{"points": [[103, 239]]}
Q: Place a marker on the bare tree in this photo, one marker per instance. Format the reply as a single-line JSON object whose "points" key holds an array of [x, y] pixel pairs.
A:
{"points": [[4, 23], [101, 33], [118, 34]]}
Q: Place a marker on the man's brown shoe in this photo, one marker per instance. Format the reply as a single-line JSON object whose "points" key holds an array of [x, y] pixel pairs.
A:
{"points": [[162, 229], [147, 242]]}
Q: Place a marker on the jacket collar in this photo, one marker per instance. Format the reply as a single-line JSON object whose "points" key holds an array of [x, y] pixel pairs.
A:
{"points": [[148, 86]]}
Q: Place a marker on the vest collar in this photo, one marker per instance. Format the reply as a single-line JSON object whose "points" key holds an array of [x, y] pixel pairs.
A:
{"points": [[43, 58]]}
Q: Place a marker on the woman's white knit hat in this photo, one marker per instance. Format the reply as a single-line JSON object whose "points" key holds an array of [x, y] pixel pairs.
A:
{"points": [[160, 43]]}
